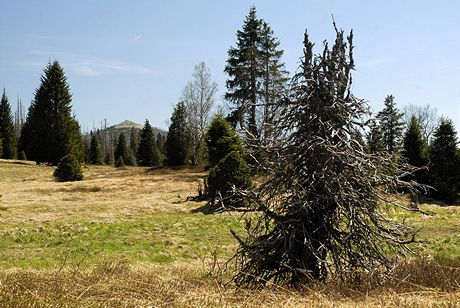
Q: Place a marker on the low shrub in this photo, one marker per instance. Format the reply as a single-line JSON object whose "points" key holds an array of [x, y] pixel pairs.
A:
{"points": [[68, 169], [231, 171], [120, 162]]}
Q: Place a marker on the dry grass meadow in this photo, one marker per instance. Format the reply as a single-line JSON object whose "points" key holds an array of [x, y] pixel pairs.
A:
{"points": [[129, 238]]}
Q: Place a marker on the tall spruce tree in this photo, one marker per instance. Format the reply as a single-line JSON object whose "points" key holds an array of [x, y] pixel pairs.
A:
{"points": [[134, 144], [391, 125], [86, 147], [256, 78], [50, 131], [445, 163], [122, 151], [414, 150], [95, 156], [148, 153], [7, 132], [177, 142], [273, 82]]}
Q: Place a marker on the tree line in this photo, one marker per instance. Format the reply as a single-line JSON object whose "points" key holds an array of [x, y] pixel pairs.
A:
{"points": [[424, 141], [256, 85], [50, 132]]}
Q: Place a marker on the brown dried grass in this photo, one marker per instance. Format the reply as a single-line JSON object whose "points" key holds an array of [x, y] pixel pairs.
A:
{"points": [[31, 196], [116, 284], [105, 194]]}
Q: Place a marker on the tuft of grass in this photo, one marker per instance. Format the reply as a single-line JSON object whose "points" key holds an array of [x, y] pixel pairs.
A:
{"points": [[2, 207]]}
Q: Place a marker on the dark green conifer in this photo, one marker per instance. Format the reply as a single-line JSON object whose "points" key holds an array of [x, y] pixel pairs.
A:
{"points": [[391, 125], [68, 169], [227, 168], [120, 162], [375, 139], [148, 153], [257, 79], [95, 150], [445, 163], [273, 80], [221, 140], [177, 143], [122, 151], [244, 70], [7, 134], [134, 144], [231, 171], [414, 149], [50, 131]]}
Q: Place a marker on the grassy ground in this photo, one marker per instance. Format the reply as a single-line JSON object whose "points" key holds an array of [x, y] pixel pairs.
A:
{"points": [[137, 214], [129, 237]]}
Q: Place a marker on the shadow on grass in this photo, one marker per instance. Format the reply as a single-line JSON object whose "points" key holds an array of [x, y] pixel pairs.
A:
{"points": [[430, 200], [208, 208], [18, 162]]}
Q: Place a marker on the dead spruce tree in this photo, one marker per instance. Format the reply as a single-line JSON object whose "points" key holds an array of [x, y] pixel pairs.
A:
{"points": [[321, 208]]}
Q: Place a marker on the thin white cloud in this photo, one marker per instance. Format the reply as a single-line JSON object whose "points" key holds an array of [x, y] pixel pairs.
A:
{"points": [[450, 69], [97, 67], [88, 66], [87, 70], [137, 37]]}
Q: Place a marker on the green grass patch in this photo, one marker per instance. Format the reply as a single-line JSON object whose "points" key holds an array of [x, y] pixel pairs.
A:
{"points": [[170, 237], [159, 238], [439, 232]]}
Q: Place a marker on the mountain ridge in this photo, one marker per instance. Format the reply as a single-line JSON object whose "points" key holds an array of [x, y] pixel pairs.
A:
{"points": [[126, 124], [124, 127]]}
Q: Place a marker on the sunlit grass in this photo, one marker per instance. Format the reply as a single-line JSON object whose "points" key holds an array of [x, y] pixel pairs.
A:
{"points": [[130, 238], [158, 238]]}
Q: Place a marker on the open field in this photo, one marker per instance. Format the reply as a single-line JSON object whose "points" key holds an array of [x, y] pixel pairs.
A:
{"points": [[128, 237]]}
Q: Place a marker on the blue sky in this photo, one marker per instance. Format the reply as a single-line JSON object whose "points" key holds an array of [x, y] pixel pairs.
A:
{"points": [[131, 59]]}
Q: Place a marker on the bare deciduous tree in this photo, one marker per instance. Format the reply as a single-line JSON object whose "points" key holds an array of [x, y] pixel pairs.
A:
{"points": [[426, 116], [19, 118], [320, 210], [198, 96]]}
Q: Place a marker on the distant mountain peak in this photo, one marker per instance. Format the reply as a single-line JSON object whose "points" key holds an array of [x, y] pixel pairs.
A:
{"points": [[125, 128], [127, 124]]}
